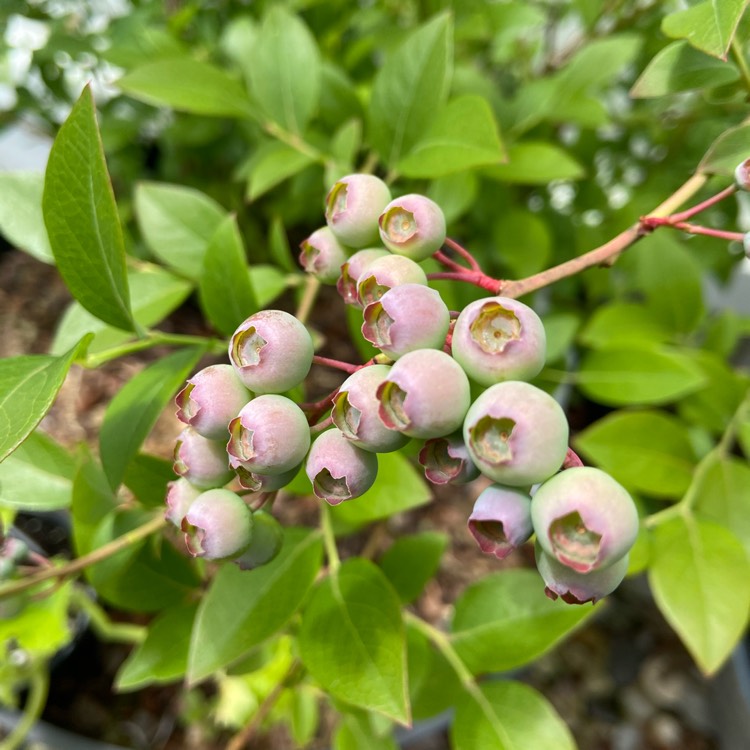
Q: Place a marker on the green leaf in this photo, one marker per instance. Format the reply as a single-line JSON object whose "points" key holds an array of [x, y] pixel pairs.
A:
{"points": [[410, 88], [28, 387], [463, 135], [134, 410], [722, 495], [633, 376], [671, 280], [398, 487], [508, 716], [268, 282], [154, 293], [147, 478], [284, 70], [713, 406], [648, 451], [523, 242], [355, 605], [411, 561], [177, 224], [560, 328], [726, 152], [505, 621], [93, 500], [536, 163], [42, 627], [162, 657], [620, 324], [21, 219], [243, 608], [271, 164], [82, 221], [680, 67], [278, 246], [145, 577], [226, 294], [188, 85], [700, 576], [709, 26], [355, 734], [38, 475], [434, 685]]}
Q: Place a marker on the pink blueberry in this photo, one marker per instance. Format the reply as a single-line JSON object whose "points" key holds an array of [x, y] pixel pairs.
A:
{"points": [[498, 339], [271, 351], [516, 434], [405, 318]]}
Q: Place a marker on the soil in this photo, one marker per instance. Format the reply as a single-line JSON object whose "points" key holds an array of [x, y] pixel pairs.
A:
{"points": [[623, 682]]}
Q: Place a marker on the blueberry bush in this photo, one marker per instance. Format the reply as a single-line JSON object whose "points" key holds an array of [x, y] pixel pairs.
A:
{"points": [[433, 162]]}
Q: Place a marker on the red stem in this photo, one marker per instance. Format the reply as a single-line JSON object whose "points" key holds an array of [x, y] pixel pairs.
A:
{"points": [[328, 362], [464, 253], [320, 426], [693, 210], [478, 278], [720, 234], [571, 460], [441, 257]]}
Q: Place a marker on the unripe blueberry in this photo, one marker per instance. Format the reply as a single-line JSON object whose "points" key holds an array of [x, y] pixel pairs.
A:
{"points": [[338, 469], [271, 352], [7, 569], [217, 525], [270, 435], [180, 496], [352, 269], [746, 244], [498, 339], [203, 462], [353, 205], [405, 318], [265, 544], [742, 175], [501, 520], [386, 272], [253, 480], [446, 461], [516, 434], [578, 588], [322, 255], [210, 399], [355, 412], [426, 394], [412, 225], [584, 518]]}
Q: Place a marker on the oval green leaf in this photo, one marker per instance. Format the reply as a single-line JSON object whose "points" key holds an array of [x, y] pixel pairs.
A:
{"points": [[225, 289], [177, 224], [81, 217], [243, 608], [410, 88], [188, 85], [700, 576], [508, 716], [356, 608], [633, 376], [648, 451], [505, 620], [28, 387], [134, 410]]}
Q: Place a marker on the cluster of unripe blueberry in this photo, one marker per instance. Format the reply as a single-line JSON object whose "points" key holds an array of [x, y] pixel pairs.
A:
{"points": [[240, 426]]}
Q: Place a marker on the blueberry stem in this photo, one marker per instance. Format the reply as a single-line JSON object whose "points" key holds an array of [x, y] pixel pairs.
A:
{"points": [[693, 210], [708, 231], [329, 539], [337, 364], [464, 253], [75, 566], [477, 278]]}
